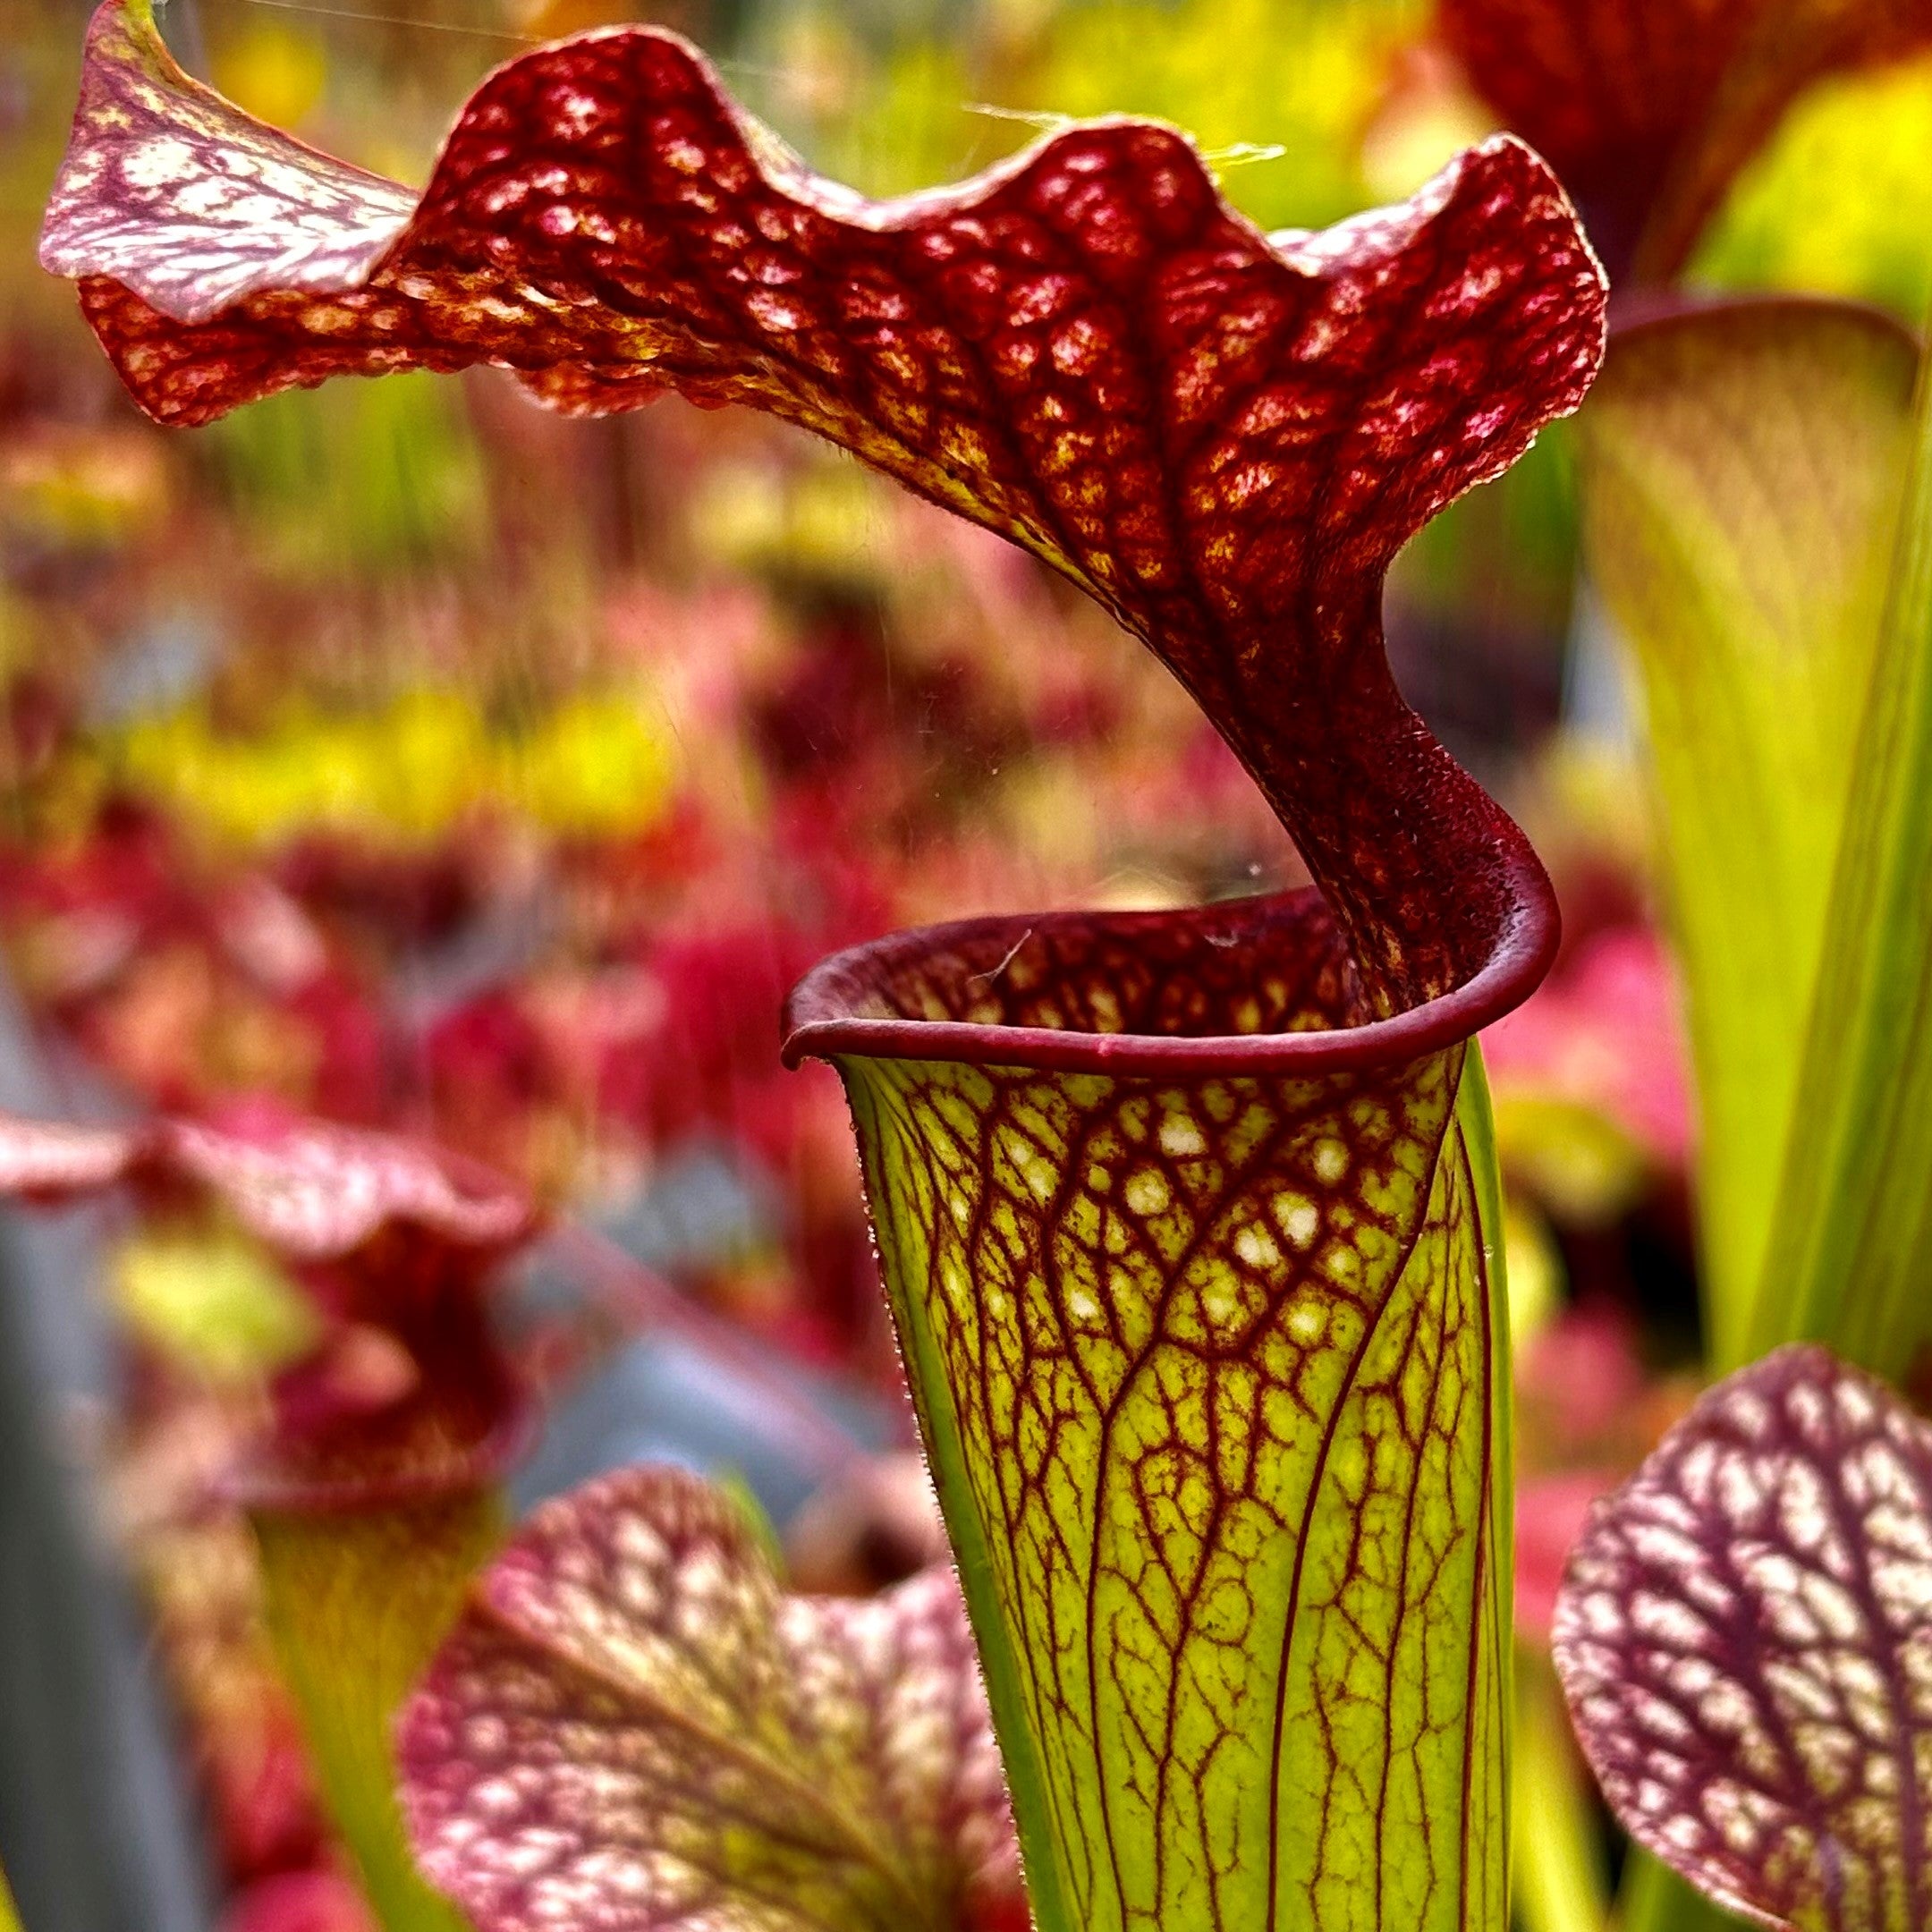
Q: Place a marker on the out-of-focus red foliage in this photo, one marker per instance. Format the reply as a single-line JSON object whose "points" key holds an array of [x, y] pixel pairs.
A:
{"points": [[1550, 1514], [407, 1390], [1605, 1032], [1589, 1410], [1648, 108], [314, 1901], [188, 980]]}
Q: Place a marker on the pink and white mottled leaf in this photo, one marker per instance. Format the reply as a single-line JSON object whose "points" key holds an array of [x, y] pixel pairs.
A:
{"points": [[1745, 1637], [633, 1729], [310, 1190], [409, 1394]]}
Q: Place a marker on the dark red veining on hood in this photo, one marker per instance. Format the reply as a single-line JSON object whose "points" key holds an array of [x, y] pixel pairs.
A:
{"points": [[1224, 438], [1257, 985]]}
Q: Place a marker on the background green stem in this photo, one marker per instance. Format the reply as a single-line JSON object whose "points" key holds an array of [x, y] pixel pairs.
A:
{"points": [[356, 1604], [1847, 1242], [1561, 1884]]}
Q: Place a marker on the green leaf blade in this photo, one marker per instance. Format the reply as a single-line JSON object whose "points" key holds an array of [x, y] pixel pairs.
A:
{"points": [[1855, 1213], [1392, 1603], [1743, 473], [356, 1604]]}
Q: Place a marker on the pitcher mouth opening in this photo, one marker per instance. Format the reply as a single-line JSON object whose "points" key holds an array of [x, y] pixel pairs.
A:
{"points": [[1259, 986]]}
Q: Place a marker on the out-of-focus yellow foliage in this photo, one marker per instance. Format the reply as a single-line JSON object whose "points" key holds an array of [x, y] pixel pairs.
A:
{"points": [[595, 765], [1280, 93], [826, 518], [1574, 1158], [888, 120], [1305, 77], [594, 768], [1427, 116], [1841, 202], [214, 1300], [274, 69], [1533, 1266], [1585, 801]]}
